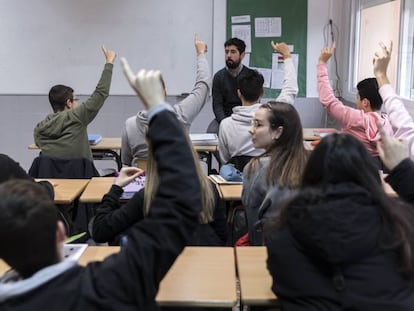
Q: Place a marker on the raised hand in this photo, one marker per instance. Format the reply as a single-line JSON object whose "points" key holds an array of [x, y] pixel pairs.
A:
{"points": [[147, 84], [201, 46], [391, 150], [109, 55], [381, 61], [281, 48], [326, 53], [128, 174]]}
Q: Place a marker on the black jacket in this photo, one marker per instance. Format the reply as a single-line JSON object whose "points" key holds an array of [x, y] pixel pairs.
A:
{"points": [[114, 219], [129, 280], [401, 179], [331, 256]]}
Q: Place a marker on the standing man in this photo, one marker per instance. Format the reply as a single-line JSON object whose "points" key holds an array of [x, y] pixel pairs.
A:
{"points": [[63, 133], [234, 137], [225, 82]]}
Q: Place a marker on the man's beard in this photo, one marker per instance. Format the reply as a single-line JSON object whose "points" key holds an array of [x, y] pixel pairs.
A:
{"points": [[232, 65]]}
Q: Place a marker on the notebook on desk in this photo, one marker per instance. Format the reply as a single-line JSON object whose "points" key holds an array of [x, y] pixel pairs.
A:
{"points": [[94, 139], [205, 139]]}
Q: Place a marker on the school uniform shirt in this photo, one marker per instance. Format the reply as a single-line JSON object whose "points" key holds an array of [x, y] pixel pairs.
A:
{"points": [[64, 134], [134, 145], [356, 122], [400, 119], [234, 137], [330, 255], [127, 280]]}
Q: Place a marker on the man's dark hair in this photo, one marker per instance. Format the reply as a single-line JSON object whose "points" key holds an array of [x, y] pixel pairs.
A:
{"points": [[58, 95], [240, 45], [368, 88], [251, 85], [28, 222]]}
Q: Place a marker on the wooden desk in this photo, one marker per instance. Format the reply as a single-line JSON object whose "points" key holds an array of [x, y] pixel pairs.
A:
{"points": [[66, 190], [230, 192], [209, 150], [255, 279], [97, 253], [109, 145], [96, 189], [200, 277], [309, 133]]}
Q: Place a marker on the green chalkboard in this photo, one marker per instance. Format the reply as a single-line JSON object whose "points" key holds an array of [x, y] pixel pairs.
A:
{"points": [[294, 15]]}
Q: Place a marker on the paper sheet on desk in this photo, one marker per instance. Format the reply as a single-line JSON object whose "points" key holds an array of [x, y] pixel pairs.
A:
{"points": [[73, 251]]}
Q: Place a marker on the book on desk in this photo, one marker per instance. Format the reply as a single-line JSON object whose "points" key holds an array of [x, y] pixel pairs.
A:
{"points": [[204, 139], [94, 139]]}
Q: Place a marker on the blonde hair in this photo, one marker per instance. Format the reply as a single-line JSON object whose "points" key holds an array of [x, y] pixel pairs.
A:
{"points": [[152, 181]]}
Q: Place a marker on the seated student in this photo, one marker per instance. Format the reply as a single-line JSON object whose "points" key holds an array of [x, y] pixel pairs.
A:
{"points": [[341, 233], [134, 145], [113, 220], [32, 239], [400, 119], [274, 175], [10, 169], [394, 154], [63, 133], [361, 122], [234, 137]]}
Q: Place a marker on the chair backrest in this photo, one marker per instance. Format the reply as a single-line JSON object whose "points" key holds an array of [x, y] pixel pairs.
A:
{"points": [[53, 167]]}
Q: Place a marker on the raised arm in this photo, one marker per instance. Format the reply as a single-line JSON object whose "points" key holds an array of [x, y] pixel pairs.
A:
{"points": [[88, 111], [394, 154], [400, 118], [343, 114], [189, 108], [290, 80], [155, 242]]}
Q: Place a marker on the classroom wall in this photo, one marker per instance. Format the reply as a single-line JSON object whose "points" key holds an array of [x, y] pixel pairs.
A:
{"points": [[20, 113]]}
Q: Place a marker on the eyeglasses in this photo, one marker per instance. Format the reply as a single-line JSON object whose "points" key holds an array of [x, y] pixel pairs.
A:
{"points": [[256, 123], [74, 99]]}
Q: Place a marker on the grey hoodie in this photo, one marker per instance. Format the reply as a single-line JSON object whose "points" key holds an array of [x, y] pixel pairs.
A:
{"points": [[234, 136], [134, 145]]}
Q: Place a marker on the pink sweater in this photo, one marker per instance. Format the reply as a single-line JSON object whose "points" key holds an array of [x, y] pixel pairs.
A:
{"points": [[400, 118], [356, 122]]}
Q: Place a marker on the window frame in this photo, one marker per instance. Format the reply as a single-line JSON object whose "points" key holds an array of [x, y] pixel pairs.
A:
{"points": [[404, 83]]}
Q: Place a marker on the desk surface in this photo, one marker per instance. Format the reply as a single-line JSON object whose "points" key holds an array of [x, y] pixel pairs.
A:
{"points": [[201, 276], [66, 190], [107, 143], [309, 133], [230, 192], [255, 280], [96, 189]]}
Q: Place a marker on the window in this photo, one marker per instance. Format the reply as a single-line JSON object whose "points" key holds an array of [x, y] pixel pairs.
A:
{"points": [[383, 20]]}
